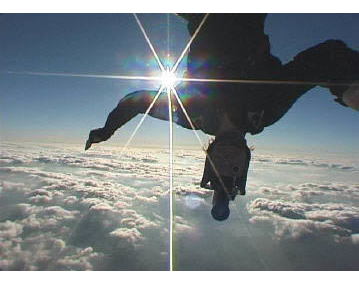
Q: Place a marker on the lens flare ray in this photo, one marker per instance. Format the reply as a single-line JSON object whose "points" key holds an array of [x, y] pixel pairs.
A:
{"points": [[174, 68], [146, 78], [179, 79], [149, 42], [142, 119], [200, 141], [187, 116], [269, 82], [170, 119]]}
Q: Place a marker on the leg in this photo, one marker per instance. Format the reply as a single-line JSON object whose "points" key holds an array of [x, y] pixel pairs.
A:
{"points": [[138, 102], [331, 62]]}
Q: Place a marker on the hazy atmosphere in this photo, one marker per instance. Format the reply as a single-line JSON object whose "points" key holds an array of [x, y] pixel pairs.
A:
{"points": [[62, 208]]}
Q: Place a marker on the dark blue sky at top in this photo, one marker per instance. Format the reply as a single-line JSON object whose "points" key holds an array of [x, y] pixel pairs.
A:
{"points": [[47, 108]]}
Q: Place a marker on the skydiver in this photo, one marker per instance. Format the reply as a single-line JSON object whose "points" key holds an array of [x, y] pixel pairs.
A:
{"points": [[224, 50]]}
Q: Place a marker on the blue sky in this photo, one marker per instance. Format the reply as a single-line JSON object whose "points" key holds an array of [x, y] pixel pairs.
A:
{"points": [[64, 109]]}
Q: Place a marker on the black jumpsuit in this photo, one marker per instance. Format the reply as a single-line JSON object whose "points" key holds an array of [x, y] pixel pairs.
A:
{"points": [[234, 46]]}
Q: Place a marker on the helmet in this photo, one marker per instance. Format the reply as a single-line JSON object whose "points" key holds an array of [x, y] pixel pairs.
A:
{"points": [[220, 210], [220, 213]]}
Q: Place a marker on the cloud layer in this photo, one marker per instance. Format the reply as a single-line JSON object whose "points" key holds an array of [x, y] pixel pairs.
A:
{"points": [[63, 209]]}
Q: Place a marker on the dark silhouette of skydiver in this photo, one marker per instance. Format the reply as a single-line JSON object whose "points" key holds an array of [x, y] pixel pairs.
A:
{"points": [[234, 46]]}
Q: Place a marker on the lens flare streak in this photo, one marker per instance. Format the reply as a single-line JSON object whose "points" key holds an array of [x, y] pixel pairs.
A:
{"points": [[142, 119], [146, 78], [170, 119], [269, 82], [149, 43], [200, 141], [187, 116], [189, 43], [153, 78]]}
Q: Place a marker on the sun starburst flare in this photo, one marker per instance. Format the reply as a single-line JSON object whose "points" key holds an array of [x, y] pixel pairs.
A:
{"points": [[169, 79]]}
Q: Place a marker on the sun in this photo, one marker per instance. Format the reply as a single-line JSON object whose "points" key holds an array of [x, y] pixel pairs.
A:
{"points": [[168, 78]]}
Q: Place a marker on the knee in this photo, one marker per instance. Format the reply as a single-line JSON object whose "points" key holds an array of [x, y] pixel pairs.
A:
{"points": [[329, 45], [325, 49], [332, 43]]}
